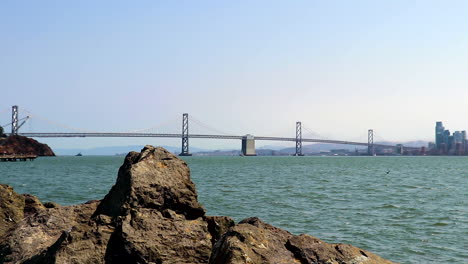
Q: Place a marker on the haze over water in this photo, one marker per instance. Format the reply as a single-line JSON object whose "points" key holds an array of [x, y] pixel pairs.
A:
{"points": [[406, 209]]}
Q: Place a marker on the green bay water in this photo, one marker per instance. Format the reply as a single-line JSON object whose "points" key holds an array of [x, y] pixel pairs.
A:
{"points": [[406, 209]]}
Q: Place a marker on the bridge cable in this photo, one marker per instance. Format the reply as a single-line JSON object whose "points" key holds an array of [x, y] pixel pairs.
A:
{"points": [[202, 124], [57, 124], [164, 123], [314, 134]]}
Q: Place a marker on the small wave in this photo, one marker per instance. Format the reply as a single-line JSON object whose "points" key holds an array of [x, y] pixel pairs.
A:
{"points": [[385, 206], [440, 224]]}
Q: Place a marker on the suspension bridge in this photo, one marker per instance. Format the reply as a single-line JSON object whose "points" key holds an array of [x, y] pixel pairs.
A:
{"points": [[247, 141]]}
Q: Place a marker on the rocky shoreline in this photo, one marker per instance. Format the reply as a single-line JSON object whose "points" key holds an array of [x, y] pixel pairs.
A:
{"points": [[151, 215], [20, 145]]}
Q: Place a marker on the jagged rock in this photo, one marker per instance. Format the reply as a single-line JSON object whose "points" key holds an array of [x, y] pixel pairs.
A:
{"points": [[155, 179], [86, 242], [309, 249], [253, 241], [23, 145], [149, 236], [151, 215], [11, 208], [32, 205], [51, 205], [34, 234], [218, 225]]}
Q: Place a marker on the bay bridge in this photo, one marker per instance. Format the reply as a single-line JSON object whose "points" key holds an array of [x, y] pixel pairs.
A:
{"points": [[247, 141]]}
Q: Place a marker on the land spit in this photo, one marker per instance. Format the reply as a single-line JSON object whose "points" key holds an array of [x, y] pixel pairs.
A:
{"points": [[151, 215]]}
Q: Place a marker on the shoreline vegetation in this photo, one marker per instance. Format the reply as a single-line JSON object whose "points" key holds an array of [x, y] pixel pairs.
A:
{"points": [[151, 215]]}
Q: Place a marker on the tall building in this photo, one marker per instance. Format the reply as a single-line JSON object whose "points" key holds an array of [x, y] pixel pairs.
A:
{"points": [[464, 142], [439, 135]]}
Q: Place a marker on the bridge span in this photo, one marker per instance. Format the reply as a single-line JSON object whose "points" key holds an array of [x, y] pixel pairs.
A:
{"points": [[244, 138], [248, 141]]}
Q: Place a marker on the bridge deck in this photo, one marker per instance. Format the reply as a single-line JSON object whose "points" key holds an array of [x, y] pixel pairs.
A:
{"points": [[163, 135]]}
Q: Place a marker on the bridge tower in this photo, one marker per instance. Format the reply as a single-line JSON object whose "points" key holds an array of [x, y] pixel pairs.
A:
{"points": [[370, 142], [185, 136], [14, 120], [298, 139]]}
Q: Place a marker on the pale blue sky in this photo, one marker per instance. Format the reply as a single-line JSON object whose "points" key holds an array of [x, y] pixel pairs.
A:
{"points": [[340, 67]]}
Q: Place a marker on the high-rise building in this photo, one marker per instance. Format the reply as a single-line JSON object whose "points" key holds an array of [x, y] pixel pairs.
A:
{"points": [[457, 137], [447, 141], [439, 135]]}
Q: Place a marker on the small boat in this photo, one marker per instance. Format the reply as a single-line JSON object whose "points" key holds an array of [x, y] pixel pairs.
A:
{"points": [[79, 155]]}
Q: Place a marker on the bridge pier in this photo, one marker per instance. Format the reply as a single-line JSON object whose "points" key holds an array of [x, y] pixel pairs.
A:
{"points": [[185, 136], [298, 139], [399, 149], [370, 142], [248, 145]]}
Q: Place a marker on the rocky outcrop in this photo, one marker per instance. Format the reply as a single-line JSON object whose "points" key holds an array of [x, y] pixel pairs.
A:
{"points": [[152, 215], [253, 241], [34, 234], [11, 208], [19, 145], [15, 207]]}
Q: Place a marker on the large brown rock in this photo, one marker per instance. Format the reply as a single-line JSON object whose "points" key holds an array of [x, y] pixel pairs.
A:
{"points": [[152, 215], [35, 233], [156, 179], [309, 249], [253, 241], [24, 146], [151, 236], [11, 208]]}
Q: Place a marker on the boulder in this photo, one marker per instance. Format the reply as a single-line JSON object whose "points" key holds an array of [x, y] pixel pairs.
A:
{"points": [[309, 249], [155, 179], [150, 236], [151, 215], [11, 208], [254, 241], [35, 233]]}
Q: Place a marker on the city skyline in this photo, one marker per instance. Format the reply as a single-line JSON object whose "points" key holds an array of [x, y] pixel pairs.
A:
{"points": [[245, 68]]}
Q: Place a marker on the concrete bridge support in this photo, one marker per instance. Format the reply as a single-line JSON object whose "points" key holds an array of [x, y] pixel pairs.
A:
{"points": [[248, 145]]}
